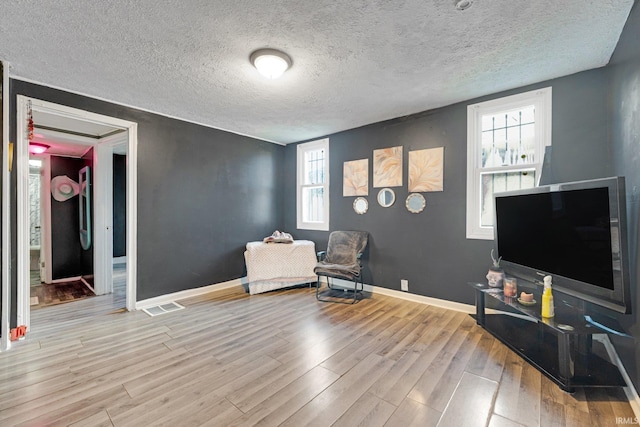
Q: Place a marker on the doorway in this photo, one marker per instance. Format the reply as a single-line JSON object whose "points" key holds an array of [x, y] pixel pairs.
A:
{"points": [[124, 135]]}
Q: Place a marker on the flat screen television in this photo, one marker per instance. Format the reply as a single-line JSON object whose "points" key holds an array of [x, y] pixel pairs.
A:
{"points": [[576, 232]]}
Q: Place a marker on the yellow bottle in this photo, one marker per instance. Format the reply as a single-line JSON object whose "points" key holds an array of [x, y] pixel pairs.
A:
{"points": [[547, 299]]}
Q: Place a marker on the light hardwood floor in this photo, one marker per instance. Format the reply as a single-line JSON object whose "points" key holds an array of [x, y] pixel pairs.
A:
{"points": [[230, 359]]}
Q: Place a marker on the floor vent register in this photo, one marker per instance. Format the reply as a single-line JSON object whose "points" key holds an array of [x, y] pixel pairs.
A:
{"points": [[157, 310]]}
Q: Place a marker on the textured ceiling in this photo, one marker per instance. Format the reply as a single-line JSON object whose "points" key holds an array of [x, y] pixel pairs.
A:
{"points": [[354, 62]]}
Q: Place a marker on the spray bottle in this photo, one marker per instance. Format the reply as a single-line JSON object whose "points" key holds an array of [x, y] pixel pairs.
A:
{"points": [[547, 299]]}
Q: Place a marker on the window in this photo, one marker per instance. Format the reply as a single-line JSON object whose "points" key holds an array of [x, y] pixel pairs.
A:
{"points": [[505, 149], [313, 185]]}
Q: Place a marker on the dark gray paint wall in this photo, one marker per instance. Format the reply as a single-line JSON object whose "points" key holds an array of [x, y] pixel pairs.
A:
{"points": [[205, 194], [66, 251], [119, 205], [430, 249], [625, 125], [202, 194]]}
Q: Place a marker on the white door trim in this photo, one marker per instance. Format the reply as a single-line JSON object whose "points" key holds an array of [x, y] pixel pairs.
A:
{"points": [[22, 173], [6, 214], [103, 211], [45, 218], [132, 216]]}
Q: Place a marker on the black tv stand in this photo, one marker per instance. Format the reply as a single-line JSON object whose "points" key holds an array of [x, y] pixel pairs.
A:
{"points": [[562, 348]]}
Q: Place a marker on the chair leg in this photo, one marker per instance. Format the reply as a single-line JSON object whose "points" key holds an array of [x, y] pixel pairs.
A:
{"points": [[355, 288], [337, 299]]}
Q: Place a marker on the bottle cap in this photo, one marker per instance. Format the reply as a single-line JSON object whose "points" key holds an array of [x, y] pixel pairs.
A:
{"points": [[547, 281]]}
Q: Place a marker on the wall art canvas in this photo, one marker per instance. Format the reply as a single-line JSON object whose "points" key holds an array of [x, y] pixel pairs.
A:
{"points": [[355, 178], [426, 170], [387, 167]]}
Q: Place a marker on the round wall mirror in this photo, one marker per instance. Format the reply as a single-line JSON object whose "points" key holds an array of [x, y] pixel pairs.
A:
{"points": [[360, 205], [386, 197], [415, 203]]}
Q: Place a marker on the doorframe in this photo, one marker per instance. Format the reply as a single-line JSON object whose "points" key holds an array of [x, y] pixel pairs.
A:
{"points": [[45, 216], [22, 178], [5, 309]]}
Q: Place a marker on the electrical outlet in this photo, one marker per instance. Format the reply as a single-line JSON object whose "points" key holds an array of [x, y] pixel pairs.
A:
{"points": [[404, 285]]}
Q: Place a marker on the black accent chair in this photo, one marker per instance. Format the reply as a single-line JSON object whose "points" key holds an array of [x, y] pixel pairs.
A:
{"points": [[341, 260]]}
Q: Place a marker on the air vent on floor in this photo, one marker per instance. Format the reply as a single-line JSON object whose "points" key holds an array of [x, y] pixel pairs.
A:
{"points": [[157, 310]]}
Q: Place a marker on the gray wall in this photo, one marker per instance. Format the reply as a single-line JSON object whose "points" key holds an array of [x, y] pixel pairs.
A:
{"points": [[119, 205], [202, 194], [430, 249], [625, 128], [66, 250]]}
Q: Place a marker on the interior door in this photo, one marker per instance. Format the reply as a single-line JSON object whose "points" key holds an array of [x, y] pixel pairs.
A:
{"points": [[103, 227], [45, 219]]}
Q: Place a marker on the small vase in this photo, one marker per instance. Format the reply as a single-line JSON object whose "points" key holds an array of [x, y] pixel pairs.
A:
{"points": [[495, 277]]}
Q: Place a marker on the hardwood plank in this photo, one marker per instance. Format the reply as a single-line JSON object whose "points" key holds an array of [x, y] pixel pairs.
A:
{"points": [[368, 411], [177, 371], [518, 396], [620, 405], [471, 402], [93, 359], [406, 337], [18, 370], [408, 370], [329, 405], [329, 340], [33, 377], [436, 385], [601, 411], [201, 412], [560, 408], [255, 393], [382, 330], [488, 358], [210, 386], [413, 414], [281, 405], [77, 409], [99, 419], [498, 421], [78, 385]]}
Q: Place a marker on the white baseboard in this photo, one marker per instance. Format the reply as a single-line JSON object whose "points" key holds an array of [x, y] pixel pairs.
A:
{"points": [[436, 302], [189, 293]]}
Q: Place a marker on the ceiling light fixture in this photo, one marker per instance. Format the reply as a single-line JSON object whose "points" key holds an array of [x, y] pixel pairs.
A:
{"points": [[37, 148], [271, 63], [463, 4]]}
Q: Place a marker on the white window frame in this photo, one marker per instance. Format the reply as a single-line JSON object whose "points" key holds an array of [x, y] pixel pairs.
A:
{"points": [[541, 98], [301, 150]]}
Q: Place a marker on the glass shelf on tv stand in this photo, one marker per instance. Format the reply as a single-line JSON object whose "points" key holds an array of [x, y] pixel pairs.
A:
{"points": [[560, 347], [568, 319]]}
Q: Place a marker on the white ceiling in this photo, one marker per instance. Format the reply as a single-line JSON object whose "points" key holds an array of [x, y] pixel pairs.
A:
{"points": [[354, 62]]}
